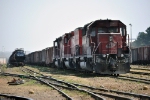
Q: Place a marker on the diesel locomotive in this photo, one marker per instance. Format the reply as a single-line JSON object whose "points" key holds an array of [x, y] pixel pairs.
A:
{"points": [[17, 58], [100, 46]]}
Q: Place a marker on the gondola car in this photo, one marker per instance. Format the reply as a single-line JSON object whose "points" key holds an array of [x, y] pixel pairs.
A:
{"points": [[140, 55]]}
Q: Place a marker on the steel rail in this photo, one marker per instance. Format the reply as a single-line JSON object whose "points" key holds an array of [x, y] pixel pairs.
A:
{"points": [[49, 77], [12, 97], [135, 78], [73, 85], [141, 73], [97, 97], [140, 96], [132, 79], [84, 90], [141, 69], [35, 78], [103, 94], [46, 83]]}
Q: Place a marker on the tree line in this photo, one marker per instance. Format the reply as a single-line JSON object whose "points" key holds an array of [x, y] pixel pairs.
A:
{"points": [[143, 39]]}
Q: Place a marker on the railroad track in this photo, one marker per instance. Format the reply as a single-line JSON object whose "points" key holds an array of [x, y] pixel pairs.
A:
{"points": [[141, 73], [60, 85], [141, 69], [38, 79], [93, 90], [139, 96], [96, 93], [10, 97], [146, 81]]}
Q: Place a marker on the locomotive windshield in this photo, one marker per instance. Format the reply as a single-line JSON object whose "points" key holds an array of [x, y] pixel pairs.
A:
{"points": [[102, 30], [108, 30], [113, 30], [20, 53]]}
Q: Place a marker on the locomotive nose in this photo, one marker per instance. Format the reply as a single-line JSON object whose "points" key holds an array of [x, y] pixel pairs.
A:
{"points": [[113, 65]]}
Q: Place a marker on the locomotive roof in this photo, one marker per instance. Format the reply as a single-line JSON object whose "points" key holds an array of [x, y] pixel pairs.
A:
{"points": [[79, 28], [59, 38], [19, 49], [105, 21]]}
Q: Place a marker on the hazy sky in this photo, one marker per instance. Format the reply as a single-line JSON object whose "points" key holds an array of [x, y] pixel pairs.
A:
{"points": [[34, 24]]}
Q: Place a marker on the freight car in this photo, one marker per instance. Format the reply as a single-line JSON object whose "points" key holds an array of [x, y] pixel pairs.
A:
{"points": [[99, 46], [41, 58], [141, 55], [17, 58]]}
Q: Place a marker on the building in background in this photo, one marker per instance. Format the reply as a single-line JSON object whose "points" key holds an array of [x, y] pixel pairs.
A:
{"points": [[3, 61]]}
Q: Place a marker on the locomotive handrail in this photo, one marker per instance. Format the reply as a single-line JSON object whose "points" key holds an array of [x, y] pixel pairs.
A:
{"points": [[128, 39], [92, 43], [97, 47]]}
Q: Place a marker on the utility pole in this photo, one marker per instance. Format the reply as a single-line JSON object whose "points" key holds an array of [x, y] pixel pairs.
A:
{"points": [[131, 41], [130, 35]]}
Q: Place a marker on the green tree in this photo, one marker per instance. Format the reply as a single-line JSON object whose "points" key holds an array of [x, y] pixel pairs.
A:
{"points": [[143, 39], [148, 35]]}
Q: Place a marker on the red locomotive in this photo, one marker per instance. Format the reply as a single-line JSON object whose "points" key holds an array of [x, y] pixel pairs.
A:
{"points": [[99, 46]]}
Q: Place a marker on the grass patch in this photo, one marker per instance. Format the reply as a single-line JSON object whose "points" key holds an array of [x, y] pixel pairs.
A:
{"points": [[2, 76], [2, 68], [30, 82]]}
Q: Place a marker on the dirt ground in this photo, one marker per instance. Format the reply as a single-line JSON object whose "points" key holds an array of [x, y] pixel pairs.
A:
{"points": [[42, 92], [35, 91]]}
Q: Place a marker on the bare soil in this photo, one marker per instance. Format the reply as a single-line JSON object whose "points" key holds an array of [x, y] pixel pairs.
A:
{"points": [[35, 91], [42, 92]]}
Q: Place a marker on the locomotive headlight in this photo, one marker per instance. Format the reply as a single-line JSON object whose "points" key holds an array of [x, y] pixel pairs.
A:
{"points": [[122, 55], [110, 38], [104, 55]]}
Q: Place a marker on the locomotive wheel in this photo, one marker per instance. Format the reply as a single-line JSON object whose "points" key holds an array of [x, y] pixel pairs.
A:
{"points": [[16, 64], [116, 75]]}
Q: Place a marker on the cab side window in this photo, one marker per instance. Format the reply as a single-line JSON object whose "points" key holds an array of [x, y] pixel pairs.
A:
{"points": [[93, 32], [113, 29], [101, 30]]}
